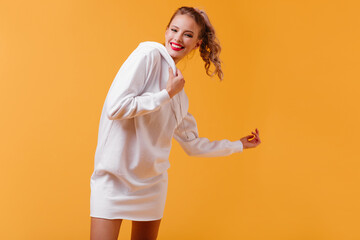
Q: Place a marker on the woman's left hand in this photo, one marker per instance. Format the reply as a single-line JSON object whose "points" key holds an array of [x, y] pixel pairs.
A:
{"points": [[254, 142]]}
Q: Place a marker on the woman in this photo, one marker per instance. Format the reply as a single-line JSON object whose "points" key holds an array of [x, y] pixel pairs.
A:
{"points": [[145, 108]]}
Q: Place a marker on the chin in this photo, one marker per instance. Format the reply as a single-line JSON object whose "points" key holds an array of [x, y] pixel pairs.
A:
{"points": [[172, 53]]}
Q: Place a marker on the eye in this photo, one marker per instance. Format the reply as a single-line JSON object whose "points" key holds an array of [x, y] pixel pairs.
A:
{"points": [[174, 30], [189, 35]]}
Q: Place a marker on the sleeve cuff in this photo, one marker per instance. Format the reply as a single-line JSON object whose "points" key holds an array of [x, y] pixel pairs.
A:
{"points": [[163, 97], [239, 147]]}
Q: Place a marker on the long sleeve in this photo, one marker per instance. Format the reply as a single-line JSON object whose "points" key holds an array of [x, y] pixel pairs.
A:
{"points": [[126, 98], [187, 136]]}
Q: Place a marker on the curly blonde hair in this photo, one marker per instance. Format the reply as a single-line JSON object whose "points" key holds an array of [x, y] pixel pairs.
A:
{"points": [[210, 47]]}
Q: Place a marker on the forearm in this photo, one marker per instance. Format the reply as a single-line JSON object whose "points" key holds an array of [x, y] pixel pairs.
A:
{"points": [[132, 106]]}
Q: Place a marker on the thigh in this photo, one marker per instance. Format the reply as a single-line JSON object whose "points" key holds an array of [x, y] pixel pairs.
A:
{"points": [[142, 230], [104, 229]]}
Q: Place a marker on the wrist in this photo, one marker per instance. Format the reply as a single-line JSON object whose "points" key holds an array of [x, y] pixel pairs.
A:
{"points": [[169, 92], [242, 144]]}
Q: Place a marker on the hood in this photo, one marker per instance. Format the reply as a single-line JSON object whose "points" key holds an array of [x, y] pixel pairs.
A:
{"points": [[163, 51]]}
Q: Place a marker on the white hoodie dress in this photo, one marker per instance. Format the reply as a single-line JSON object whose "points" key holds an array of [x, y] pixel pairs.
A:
{"points": [[137, 124]]}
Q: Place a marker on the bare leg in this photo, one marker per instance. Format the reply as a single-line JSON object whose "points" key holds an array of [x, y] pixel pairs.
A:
{"points": [[145, 230], [104, 229]]}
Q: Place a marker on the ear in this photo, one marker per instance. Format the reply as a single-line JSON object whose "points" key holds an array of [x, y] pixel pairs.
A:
{"points": [[198, 44]]}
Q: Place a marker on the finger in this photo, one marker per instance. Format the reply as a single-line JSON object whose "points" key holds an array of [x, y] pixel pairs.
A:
{"points": [[250, 137], [171, 72], [256, 139], [179, 73]]}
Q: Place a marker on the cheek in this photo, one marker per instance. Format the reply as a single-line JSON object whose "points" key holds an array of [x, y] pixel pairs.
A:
{"points": [[189, 43], [167, 35]]}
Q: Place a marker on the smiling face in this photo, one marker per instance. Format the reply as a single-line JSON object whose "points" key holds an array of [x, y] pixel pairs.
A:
{"points": [[181, 37]]}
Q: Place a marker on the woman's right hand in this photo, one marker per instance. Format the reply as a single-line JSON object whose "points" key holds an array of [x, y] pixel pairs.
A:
{"points": [[175, 83]]}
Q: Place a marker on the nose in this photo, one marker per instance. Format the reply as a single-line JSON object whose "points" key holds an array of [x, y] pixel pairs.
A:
{"points": [[177, 37]]}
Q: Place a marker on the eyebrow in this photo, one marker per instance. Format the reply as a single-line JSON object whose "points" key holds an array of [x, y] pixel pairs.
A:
{"points": [[185, 30]]}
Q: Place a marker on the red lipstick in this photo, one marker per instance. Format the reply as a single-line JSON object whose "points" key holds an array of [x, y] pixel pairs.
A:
{"points": [[176, 48]]}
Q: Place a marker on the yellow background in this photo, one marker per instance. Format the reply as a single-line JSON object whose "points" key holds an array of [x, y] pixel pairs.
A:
{"points": [[291, 70]]}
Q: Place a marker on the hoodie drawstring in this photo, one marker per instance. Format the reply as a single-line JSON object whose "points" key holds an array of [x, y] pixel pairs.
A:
{"points": [[174, 112]]}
